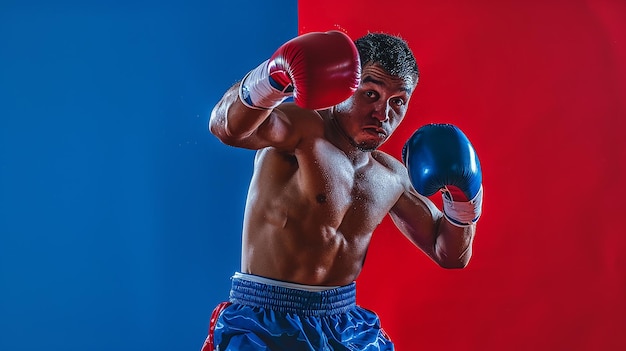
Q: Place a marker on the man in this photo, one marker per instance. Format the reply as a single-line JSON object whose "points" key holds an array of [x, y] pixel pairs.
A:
{"points": [[320, 188]]}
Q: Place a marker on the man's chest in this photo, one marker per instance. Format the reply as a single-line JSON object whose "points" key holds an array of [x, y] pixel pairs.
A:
{"points": [[364, 192]]}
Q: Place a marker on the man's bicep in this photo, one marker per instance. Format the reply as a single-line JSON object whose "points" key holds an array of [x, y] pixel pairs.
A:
{"points": [[279, 130], [276, 130]]}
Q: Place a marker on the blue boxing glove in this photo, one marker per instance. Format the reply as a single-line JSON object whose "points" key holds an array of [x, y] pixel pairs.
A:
{"points": [[439, 157]]}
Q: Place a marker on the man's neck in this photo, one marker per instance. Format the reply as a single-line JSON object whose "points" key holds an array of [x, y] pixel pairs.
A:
{"points": [[338, 137]]}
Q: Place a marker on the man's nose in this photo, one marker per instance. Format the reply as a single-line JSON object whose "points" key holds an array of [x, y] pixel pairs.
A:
{"points": [[381, 111]]}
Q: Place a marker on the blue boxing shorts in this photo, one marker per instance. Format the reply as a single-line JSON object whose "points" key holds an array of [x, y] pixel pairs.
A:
{"points": [[265, 314]]}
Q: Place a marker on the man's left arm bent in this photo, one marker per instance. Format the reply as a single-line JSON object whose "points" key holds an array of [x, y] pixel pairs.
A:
{"points": [[425, 226], [439, 157]]}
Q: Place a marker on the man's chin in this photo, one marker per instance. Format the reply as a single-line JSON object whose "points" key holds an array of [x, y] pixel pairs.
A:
{"points": [[368, 146]]}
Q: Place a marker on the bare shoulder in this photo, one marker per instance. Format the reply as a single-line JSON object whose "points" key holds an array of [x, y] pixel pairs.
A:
{"points": [[389, 162], [394, 166]]}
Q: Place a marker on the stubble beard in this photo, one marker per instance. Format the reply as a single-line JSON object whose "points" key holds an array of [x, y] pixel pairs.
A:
{"points": [[364, 146]]}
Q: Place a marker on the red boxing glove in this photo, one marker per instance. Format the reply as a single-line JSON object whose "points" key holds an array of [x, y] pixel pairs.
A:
{"points": [[319, 70]]}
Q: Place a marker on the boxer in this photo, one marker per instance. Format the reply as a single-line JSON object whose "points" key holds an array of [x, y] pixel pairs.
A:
{"points": [[320, 187]]}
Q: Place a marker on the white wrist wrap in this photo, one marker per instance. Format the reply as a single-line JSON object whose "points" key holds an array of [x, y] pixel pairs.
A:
{"points": [[462, 214], [256, 91]]}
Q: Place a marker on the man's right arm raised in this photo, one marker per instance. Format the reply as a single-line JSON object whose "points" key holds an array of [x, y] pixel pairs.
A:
{"points": [[317, 69]]}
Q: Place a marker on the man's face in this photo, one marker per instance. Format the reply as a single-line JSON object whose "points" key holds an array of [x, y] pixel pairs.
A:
{"points": [[376, 109]]}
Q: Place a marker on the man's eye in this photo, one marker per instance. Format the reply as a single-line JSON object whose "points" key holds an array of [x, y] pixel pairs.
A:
{"points": [[398, 102], [370, 94]]}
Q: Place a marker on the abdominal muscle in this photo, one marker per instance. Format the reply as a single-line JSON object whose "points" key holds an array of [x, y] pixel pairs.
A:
{"points": [[324, 256]]}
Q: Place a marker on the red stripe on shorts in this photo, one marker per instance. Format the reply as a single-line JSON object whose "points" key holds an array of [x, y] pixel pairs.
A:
{"points": [[208, 343]]}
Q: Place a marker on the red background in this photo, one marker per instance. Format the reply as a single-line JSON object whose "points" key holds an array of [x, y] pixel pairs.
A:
{"points": [[540, 89]]}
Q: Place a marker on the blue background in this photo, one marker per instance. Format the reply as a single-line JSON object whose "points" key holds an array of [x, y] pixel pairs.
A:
{"points": [[120, 215]]}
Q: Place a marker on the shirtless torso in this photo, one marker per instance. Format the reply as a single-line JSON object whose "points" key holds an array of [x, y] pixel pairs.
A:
{"points": [[320, 187], [310, 214]]}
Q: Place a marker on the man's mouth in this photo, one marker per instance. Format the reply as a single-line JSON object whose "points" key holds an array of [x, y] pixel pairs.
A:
{"points": [[376, 131]]}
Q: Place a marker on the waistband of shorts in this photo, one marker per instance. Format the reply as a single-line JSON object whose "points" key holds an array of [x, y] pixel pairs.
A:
{"points": [[295, 301]]}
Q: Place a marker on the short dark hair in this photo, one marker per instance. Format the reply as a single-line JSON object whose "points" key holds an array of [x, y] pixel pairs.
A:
{"points": [[390, 52]]}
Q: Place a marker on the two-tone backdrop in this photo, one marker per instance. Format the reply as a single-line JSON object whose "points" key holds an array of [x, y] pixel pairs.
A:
{"points": [[120, 215]]}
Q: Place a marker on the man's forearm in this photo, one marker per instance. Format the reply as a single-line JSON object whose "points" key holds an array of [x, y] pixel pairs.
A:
{"points": [[231, 120], [453, 248]]}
